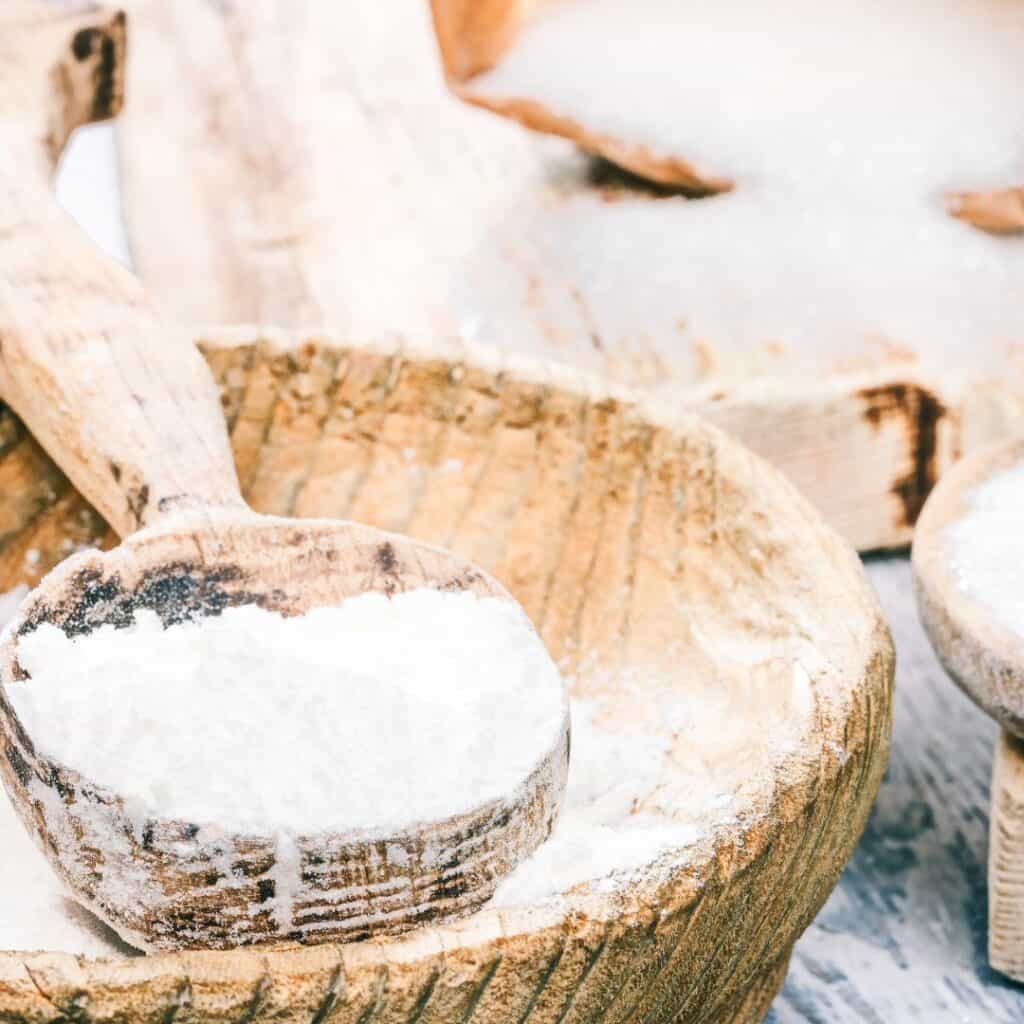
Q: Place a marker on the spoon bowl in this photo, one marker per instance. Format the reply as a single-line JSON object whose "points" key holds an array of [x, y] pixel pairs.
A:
{"points": [[166, 884], [128, 409]]}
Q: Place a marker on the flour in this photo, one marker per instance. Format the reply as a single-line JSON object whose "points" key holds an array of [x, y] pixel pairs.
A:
{"points": [[659, 765], [600, 838], [35, 912], [842, 124], [890, 97], [986, 547], [375, 714]]}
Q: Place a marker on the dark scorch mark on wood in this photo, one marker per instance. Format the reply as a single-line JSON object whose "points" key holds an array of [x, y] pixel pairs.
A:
{"points": [[919, 411], [177, 592], [387, 560], [87, 43]]}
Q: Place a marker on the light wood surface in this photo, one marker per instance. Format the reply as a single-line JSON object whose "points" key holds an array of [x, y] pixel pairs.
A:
{"points": [[130, 412], [987, 659]]}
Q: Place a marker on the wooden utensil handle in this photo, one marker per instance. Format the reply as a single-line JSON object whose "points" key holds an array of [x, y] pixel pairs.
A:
{"points": [[125, 405]]}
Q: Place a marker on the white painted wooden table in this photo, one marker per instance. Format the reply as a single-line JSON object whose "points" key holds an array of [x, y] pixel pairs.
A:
{"points": [[903, 937]]}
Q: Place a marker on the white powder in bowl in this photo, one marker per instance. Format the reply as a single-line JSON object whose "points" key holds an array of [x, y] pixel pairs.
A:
{"points": [[987, 547], [374, 714], [599, 837]]}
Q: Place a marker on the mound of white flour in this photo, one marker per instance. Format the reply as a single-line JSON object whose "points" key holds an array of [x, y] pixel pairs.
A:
{"points": [[374, 714]]}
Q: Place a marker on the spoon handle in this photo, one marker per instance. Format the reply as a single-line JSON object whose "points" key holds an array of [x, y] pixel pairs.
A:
{"points": [[124, 404]]}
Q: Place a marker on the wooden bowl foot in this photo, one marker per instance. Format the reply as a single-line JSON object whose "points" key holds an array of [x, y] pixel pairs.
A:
{"points": [[1006, 859]]}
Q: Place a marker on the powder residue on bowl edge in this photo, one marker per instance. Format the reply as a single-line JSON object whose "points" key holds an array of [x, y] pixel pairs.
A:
{"points": [[986, 547]]}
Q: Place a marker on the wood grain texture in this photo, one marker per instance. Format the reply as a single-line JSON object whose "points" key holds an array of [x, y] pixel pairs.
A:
{"points": [[1006, 859], [329, 423], [314, 171]]}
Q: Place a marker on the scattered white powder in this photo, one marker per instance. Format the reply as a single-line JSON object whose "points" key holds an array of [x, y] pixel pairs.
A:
{"points": [[658, 764], [377, 713], [987, 547], [843, 125], [600, 837], [35, 912]]}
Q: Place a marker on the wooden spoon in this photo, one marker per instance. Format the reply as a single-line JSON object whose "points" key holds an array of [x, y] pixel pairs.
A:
{"points": [[987, 659], [130, 412]]}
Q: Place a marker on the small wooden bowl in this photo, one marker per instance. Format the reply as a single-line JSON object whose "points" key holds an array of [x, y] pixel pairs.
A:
{"points": [[986, 659], [982, 655], [649, 548]]}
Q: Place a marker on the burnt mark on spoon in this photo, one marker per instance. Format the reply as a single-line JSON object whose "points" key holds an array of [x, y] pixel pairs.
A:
{"points": [[177, 592]]}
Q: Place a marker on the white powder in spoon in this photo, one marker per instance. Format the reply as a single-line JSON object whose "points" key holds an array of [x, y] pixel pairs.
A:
{"points": [[987, 547], [374, 714]]}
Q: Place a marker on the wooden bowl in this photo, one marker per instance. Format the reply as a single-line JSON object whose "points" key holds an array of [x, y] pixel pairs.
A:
{"points": [[979, 652], [986, 658], [656, 556]]}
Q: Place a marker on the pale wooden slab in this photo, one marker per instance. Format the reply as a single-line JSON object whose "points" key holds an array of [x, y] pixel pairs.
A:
{"points": [[312, 170]]}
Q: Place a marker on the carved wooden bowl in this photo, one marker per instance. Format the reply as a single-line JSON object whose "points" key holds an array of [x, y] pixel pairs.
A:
{"points": [[657, 557]]}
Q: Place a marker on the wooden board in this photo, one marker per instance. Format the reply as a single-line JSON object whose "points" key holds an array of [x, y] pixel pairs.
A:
{"points": [[313, 170]]}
